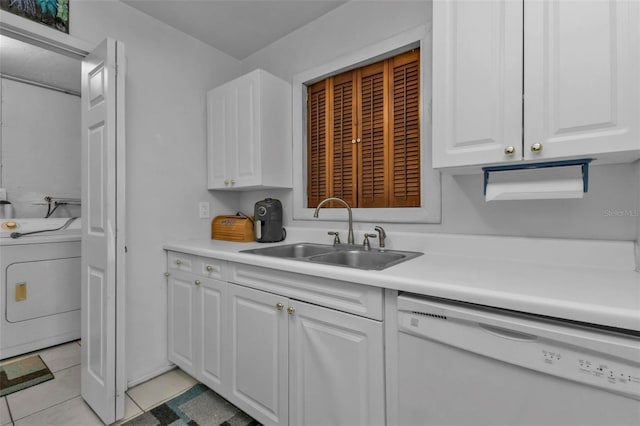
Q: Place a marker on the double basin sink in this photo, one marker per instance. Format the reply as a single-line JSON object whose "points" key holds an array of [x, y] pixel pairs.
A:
{"points": [[340, 255]]}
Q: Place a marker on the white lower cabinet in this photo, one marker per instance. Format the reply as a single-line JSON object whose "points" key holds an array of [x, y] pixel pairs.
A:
{"points": [[335, 368], [259, 354], [211, 314], [181, 333], [301, 364], [281, 360], [197, 311]]}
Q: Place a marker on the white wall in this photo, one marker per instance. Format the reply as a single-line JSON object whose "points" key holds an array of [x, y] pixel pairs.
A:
{"points": [[637, 213], [40, 148], [358, 24], [167, 76]]}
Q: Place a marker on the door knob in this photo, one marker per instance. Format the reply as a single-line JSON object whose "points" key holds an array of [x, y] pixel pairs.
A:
{"points": [[510, 150], [536, 147]]}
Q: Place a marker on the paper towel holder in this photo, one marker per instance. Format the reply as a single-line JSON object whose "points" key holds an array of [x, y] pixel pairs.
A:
{"points": [[584, 162]]}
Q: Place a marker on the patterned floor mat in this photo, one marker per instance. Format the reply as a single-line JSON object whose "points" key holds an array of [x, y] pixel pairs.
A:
{"points": [[199, 406], [23, 373]]}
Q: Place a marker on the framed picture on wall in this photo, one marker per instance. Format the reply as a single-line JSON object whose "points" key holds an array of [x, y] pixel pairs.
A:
{"points": [[52, 13]]}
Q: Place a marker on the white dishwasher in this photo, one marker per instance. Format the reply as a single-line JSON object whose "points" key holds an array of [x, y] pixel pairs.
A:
{"points": [[460, 364]]}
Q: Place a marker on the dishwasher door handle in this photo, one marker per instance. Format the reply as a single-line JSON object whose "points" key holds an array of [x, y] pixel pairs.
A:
{"points": [[508, 334]]}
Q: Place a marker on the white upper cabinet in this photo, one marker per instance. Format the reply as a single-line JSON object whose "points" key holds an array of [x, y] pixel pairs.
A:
{"points": [[249, 133], [571, 92], [477, 81], [581, 78]]}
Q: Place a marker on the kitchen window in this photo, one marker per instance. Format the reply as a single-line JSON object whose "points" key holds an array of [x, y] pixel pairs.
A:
{"points": [[428, 207], [363, 135]]}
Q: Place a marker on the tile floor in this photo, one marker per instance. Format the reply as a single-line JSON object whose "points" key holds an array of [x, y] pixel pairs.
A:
{"points": [[58, 401]]}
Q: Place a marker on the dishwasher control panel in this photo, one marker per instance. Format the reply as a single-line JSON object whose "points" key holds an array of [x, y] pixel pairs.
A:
{"points": [[592, 369]]}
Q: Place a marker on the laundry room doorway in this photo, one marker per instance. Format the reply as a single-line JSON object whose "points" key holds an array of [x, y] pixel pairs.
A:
{"points": [[102, 176]]}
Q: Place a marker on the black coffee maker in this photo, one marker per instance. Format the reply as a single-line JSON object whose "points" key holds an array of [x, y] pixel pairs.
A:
{"points": [[268, 221]]}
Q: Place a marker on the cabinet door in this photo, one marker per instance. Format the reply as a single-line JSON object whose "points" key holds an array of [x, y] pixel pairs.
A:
{"points": [[581, 77], [181, 336], [221, 134], [259, 354], [211, 314], [246, 151], [336, 368], [477, 82]]}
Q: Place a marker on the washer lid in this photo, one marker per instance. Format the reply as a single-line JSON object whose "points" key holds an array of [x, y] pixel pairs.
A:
{"points": [[25, 225]]}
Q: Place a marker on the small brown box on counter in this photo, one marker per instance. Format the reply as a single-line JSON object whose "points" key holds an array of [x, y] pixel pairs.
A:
{"points": [[232, 228]]}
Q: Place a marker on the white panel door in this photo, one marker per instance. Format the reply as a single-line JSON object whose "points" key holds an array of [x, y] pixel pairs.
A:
{"points": [[102, 330], [219, 130], [259, 354], [336, 368], [581, 77], [182, 335], [477, 82], [211, 318]]}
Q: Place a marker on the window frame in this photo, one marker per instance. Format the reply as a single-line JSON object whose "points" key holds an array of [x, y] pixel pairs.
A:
{"points": [[430, 211]]}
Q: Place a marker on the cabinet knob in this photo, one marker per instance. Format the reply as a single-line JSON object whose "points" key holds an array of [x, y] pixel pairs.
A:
{"points": [[209, 268], [226, 181], [178, 262], [353, 141], [233, 182], [197, 282], [290, 310], [536, 147], [280, 306], [358, 140], [510, 150], [166, 274]]}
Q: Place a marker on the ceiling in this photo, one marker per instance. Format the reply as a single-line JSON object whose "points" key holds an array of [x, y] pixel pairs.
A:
{"points": [[236, 27]]}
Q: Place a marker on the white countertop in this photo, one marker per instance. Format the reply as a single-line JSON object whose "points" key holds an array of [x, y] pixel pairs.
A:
{"points": [[588, 281]]}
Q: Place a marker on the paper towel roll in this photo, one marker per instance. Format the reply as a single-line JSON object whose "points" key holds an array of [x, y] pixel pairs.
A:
{"points": [[535, 190]]}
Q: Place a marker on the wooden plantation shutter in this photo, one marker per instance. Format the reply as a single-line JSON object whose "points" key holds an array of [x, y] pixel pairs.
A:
{"points": [[343, 158], [317, 165], [363, 135], [405, 130], [373, 135]]}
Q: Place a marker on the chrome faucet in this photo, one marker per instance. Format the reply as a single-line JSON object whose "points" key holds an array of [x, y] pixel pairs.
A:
{"points": [[350, 238], [381, 235]]}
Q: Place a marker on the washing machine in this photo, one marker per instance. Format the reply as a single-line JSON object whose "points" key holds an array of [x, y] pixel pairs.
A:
{"points": [[40, 284]]}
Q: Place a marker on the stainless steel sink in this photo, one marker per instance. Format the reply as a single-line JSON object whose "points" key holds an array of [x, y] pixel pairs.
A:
{"points": [[293, 250], [340, 255], [360, 259]]}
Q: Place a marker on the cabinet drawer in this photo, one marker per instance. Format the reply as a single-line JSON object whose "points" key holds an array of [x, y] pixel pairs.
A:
{"points": [[203, 266], [210, 268], [344, 296], [181, 262]]}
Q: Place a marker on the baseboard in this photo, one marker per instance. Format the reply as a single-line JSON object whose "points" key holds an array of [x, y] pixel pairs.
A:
{"points": [[147, 377]]}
